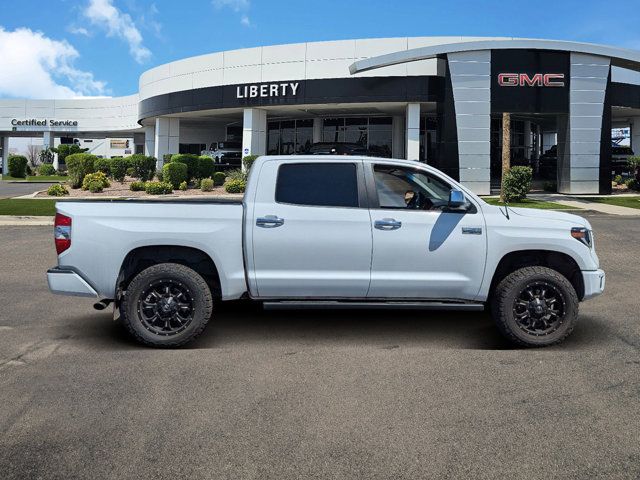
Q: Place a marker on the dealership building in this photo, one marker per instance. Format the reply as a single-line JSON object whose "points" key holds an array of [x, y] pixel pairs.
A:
{"points": [[437, 100]]}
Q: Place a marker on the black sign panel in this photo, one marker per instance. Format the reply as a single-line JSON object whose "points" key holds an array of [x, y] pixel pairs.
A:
{"points": [[529, 81]]}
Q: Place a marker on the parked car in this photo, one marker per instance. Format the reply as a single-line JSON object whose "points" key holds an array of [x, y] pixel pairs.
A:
{"points": [[336, 148], [225, 153], [328, 231]]}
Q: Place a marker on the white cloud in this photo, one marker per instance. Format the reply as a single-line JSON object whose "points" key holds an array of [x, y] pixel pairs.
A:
{"points": [[78, 30], [35, 66], [238, 6], [103, 14]]}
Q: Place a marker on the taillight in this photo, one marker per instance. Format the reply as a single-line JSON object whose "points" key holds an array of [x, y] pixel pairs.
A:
{"points": [[62, 232]]}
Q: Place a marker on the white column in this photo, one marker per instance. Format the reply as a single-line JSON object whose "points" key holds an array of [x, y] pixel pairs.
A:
{"points": [[150, 141], [5, 155], [413, 131], [254, 132], [317, 130], [166, 138], [397, 137]]}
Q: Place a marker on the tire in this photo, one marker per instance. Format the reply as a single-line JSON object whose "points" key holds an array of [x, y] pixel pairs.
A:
{"points": [[524, 311], [166, 305]]}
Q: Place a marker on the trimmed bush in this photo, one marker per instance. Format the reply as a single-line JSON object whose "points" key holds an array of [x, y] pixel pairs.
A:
{"points": [[248, 160], [94, 186], [17, 166], [219, 178], [517, 183], [79, 165], [137, 186], [182, 186], [235, 186], [632, 184], [236, 175], [144, 167], [205, 167], [158, 188], [98, 178], [190, 160], [166, 158], [118, 168], [46, 169], [102, 165], [206, 185], [57, 190], [617, 179], [175, 173]]}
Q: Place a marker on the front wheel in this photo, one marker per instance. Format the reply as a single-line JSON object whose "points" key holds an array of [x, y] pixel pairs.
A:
{"points": [[166, 305], [535, 307]]}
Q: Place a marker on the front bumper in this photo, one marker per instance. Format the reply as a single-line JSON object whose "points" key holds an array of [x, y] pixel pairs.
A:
{"points": [[67, 282], [594, 281]]}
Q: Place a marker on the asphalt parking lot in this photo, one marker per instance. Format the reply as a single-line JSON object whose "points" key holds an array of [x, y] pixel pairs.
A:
{"points": [[339, 395], [14, 189]]}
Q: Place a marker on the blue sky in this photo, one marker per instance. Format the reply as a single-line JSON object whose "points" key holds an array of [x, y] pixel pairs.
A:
{"points": [[65, 48]]}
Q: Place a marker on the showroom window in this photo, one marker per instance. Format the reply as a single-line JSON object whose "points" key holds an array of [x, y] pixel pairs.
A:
{"points": [[373, 133], [288, 137]]}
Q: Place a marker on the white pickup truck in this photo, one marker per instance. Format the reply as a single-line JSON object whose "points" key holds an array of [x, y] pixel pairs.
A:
{"points": [[328, 231]]}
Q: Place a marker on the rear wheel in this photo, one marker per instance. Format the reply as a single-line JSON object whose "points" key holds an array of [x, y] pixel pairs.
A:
{"points": [[535, 307], [166, 305]]}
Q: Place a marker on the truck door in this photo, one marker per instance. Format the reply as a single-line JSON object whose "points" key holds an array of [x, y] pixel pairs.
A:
{"points": [[420, 249], [310, 231]]}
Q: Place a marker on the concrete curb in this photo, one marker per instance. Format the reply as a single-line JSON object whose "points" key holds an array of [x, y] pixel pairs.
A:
{"points": [[17, 220]]}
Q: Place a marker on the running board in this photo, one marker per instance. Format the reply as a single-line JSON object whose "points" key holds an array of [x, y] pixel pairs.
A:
{"points": [[392, 305]]}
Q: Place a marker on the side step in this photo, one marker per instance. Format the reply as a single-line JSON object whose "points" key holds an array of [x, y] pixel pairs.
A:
{"points": [[391, 305]]}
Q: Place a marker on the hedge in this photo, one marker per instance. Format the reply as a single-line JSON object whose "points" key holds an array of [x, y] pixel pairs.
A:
{"points": [[206, 185], [248, 160], [158, 188], [190, 160], [46, 169], [57, 190], [235, 186], [118, 168], [102, 165], [17, 166], [517, 183], [78, 166], [205, 167], [174, 173], [219, 178], [144, 167], [95, 180]]}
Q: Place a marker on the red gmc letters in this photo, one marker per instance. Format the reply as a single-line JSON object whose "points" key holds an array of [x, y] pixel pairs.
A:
{"points": [[536, 80]]}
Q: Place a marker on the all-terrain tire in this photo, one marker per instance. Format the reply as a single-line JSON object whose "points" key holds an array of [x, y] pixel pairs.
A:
{"points": [[178, 278], [508, 292]]}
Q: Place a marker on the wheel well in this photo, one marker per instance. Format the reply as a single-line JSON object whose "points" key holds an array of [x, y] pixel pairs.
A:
{"points": [[145, 257], [560, 262]]}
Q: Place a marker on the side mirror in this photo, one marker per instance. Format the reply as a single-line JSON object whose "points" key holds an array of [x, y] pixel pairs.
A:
{"points": [[456, 199]]}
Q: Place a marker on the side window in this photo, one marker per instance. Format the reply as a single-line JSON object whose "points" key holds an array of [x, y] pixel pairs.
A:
{"points": [[318, 184], [408, 188]]}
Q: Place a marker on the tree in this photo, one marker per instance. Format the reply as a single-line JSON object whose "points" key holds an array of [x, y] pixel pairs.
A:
{"points": [[33, 155], [65, 150], [506, 150]]}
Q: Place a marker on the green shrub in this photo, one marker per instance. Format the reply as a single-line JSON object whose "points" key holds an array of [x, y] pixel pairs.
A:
{"points": [[137, 186], [79, 165], [118, 168], [183, 186], [634, 164], [175, 173], [102, 165], [219, 178], [235, 186], [190, 160], [65, 150], [617, 179], [159, 175], [158, 188], [17, 166], [94, 179], [57, 190], [46, 169], [248, 160], [144, 167], [29, 171], [94, 186], [632, 184], [517, 183], [166, 158], [236, 175], [130, 171], [205, 167], [206, 185]]}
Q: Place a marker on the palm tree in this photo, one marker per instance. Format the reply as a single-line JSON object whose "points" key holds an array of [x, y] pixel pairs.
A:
{"points": [[506, 150]]}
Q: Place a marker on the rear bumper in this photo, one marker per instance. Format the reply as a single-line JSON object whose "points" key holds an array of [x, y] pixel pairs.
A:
{"points": [[67, 282], [594, 281]]}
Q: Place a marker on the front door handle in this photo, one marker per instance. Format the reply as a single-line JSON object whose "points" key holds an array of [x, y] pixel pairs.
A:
{"points": [[269, 221], [387, 224]]}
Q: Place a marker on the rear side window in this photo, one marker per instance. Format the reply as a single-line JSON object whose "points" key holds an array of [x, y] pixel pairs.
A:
{"points": [[318, 184]]}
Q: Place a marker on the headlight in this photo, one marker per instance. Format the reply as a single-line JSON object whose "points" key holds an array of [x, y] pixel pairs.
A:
{"points": [[582, 234]]}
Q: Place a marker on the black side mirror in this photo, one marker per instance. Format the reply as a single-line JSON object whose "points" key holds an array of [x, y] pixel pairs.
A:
{"points": [[456, 199]]}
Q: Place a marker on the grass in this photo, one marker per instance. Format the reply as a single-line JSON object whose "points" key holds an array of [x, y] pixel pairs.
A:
{"points": [[631, 202], [27, 207], [38, 178], [529, 203]]}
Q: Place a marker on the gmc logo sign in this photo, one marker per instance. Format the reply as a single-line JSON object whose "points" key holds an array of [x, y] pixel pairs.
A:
{"points": [[537, 80]]}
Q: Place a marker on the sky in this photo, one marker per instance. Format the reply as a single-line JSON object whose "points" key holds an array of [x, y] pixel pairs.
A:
{"points": [[67, 49]]}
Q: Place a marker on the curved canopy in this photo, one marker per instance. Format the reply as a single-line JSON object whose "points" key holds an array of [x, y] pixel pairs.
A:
{"points": [[620, 57]]}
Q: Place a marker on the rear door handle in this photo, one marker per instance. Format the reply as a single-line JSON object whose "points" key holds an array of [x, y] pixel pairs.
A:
{"points": [[387, 224], [269, 221]]}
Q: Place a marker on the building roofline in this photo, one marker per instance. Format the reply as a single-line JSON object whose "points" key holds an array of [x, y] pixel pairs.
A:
{"points": [[620, 57]]}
